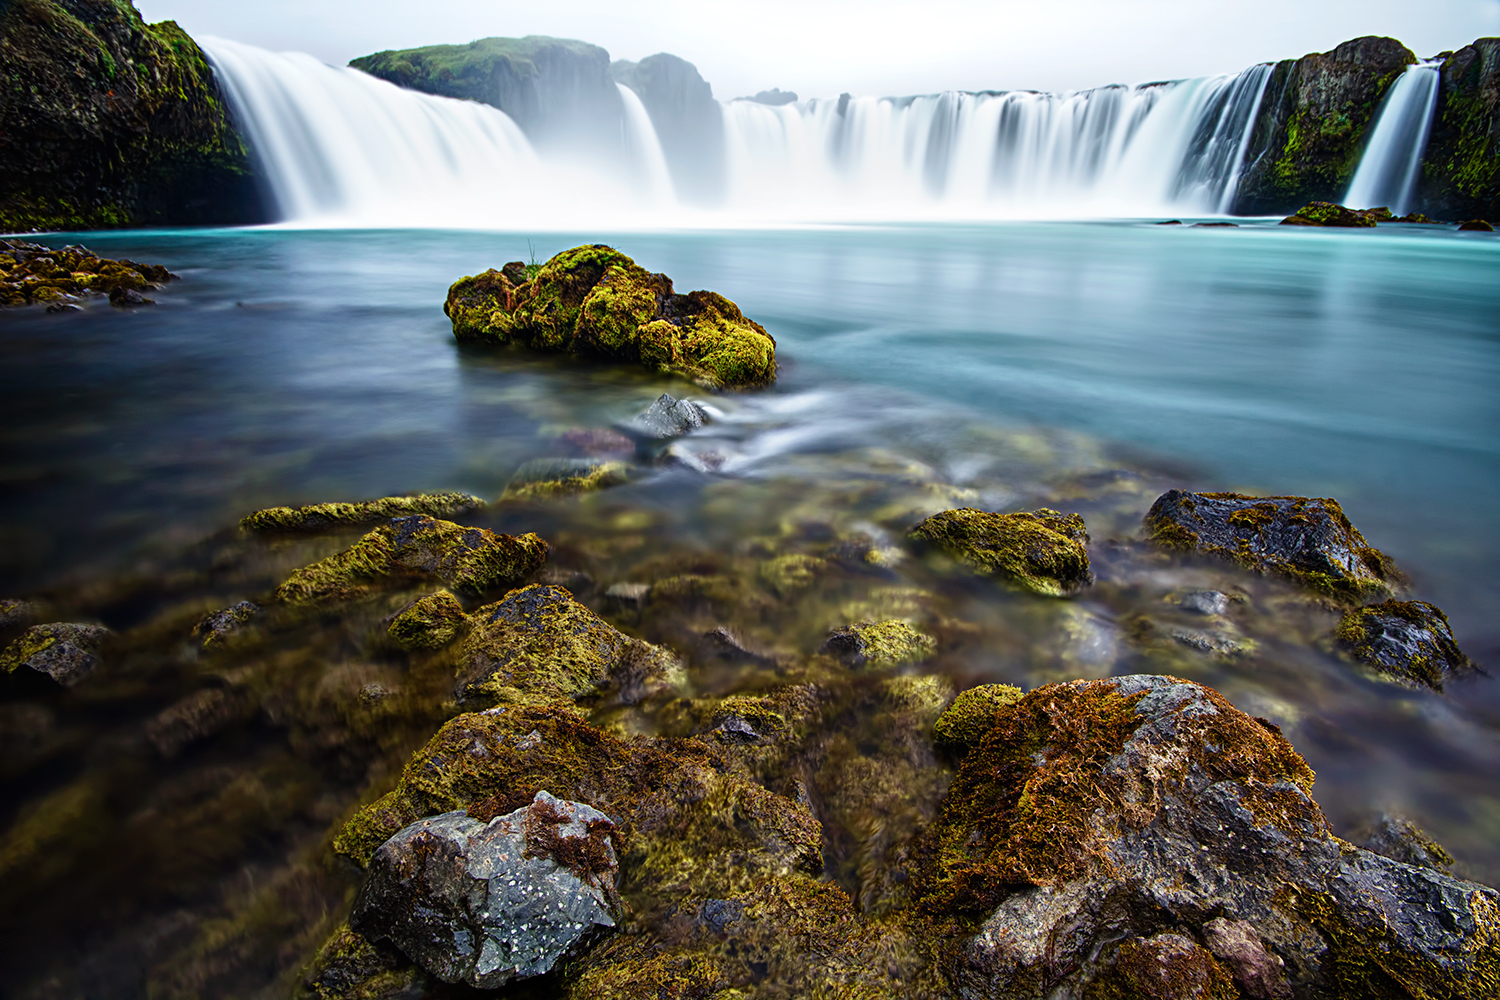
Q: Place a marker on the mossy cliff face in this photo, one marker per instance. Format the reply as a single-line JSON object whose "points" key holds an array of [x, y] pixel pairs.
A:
{"points": [[1097, 815], [1310, 130], [106, 121], [1461, 171], [595, 301], [1309, 541], [1042, 552]]}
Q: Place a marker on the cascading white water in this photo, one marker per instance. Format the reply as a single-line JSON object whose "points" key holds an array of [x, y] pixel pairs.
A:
{"points": [[1387, 174], [342, 148]]}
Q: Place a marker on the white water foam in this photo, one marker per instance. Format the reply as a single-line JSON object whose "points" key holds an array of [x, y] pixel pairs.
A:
{"points": [[1392, 161]]}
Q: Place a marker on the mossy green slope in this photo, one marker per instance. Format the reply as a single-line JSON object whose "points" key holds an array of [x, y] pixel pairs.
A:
{"points": [[595, 301]]}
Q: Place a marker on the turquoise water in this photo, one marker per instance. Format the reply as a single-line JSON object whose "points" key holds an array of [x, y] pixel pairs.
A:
{"points": [[1001, 366]]}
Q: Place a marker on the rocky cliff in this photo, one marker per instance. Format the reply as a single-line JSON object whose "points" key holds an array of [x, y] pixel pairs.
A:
{"points": [[559, 91], [1461, 172], [108, 121], [688, 121], [1311, 126]]}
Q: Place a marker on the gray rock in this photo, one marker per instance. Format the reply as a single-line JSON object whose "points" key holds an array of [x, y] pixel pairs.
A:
{"points": [[488, 903], [1407, 641], [220, 625], [198, 716], [666, 418], [1399, 839], [723, 644], [1198, 815], [65, 652], [1205, 602]]}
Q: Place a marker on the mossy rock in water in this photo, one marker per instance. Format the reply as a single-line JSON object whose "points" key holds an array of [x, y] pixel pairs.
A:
{"points": [[1409, 641], [325, 516], [417, 547], [32, 273], [545, 478], [1095, 813], [1309, 541], [595, 301], [879, 644], [63, 651], [972, 714], [541, 644], [1042, 552], [1326, 213], [430, 622]]}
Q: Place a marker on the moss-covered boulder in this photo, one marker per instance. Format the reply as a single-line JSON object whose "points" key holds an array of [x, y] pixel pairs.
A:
{"points": [[328, 516], [430, 622], [108, 121], [1326, 213], [418, 547], [1475, 226], [546, 478], [595, 301], [539, 643], [1408, 641], [63, 651], [34, 274], [1095, 813], [1309, 541], [972, 714], [879, 644], [1042, 552]]}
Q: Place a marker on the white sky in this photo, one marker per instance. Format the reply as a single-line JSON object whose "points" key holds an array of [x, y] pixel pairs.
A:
{"points": [[883, 47]]}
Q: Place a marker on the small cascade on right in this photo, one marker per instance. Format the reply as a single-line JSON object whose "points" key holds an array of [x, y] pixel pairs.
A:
{"points": [[1388, 170]]}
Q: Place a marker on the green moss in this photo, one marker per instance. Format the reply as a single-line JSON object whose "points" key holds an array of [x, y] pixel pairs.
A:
{"points": [[1042, 552], [972, 714], [880, 644], [1427, 656], [430, 622], [545, 478], [594, 300], [789, 574], [467, 559], [1324, 213], [46, 835], [349, 967], [323, 516]]}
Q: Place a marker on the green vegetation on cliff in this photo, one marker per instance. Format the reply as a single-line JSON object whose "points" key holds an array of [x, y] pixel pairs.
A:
{"points": [[1461, 172], [106, 121]]}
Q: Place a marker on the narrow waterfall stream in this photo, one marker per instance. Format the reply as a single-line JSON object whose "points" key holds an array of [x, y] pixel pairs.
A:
{"points": [[1392, 160]]}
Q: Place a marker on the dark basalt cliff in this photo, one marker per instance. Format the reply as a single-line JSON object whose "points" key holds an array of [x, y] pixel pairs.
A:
{"points": [[688, 121], [107, 121], [1311, 126], [1461, 172], [558, 90]]}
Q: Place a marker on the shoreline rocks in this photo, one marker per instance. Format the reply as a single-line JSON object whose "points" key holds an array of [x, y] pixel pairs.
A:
{"points": [[32, 274]]}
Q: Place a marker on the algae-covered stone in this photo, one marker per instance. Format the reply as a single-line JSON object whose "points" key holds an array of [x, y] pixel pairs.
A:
{"points": [[1326, 213], [471, 560], [972, 714], [594, 300], [1475, 226], [879, 644], [543, 643], [543, 478], [65, 652], [325, 516], [216, 629], [430, 622], [1309, 541], [1410, 641], [1096, 812], [486, 903], [1043, 552]]}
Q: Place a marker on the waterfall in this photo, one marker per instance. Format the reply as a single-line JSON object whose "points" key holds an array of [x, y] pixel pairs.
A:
{"points": [[1392, 161], [339, 147]]}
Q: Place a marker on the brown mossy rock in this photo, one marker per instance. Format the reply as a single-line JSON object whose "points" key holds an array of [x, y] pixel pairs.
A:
{"points": [[1326, 213], [31, 273], [328, 516], [1097, 812], [595, 301], [879, 644], [1163, 967], [539, 643], [1042, 552], [63, 651], [430, 622], [470, 560], [1309, 541], [972, 714], [1408, 641]]}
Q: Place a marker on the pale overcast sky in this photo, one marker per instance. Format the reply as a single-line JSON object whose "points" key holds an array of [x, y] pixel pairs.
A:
{"points": [[823, 47]]}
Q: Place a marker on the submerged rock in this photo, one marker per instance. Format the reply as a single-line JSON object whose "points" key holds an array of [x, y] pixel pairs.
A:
{"points": [[466, 559], [325, 516], [1410, 641], [488, 902], [216, 629], [1306, 540], [1475, 226], [65, 652], [1042, 552], [15, 613], [196, 717], [542, 478], [879, 644], [430, 622], [1097, 813], [666, 418], [1326, 213], [594, 300], [540, 643]]}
